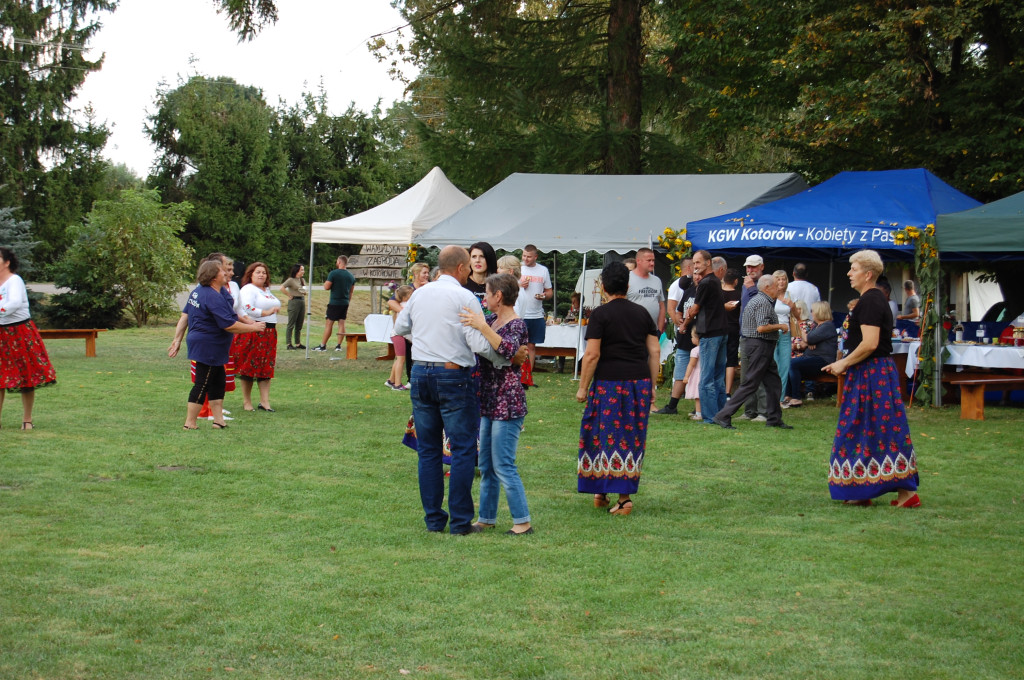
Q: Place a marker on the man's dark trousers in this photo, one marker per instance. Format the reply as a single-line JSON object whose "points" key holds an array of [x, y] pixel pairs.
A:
{"points": [[760, 367]]}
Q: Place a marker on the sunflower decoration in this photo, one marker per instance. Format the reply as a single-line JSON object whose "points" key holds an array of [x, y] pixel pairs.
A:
{"points": [[677, 248], [926, 265]]}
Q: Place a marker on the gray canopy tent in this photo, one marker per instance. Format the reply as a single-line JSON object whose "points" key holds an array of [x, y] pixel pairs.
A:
{"points": [[606, 213]]}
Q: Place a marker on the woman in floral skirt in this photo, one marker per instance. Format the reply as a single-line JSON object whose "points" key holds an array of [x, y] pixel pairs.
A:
{"points": [[24, 363], [872, 453], [622, 359]]}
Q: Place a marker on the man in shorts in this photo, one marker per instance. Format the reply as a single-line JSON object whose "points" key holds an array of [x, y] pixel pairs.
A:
{"points": [[535, 280], [340, 283]]}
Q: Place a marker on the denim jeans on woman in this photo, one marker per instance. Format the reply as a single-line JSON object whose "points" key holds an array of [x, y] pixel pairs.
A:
{"points": [[499, 440]]}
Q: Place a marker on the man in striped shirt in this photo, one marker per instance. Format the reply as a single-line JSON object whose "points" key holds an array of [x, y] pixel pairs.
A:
{"points": [[759, 333]]}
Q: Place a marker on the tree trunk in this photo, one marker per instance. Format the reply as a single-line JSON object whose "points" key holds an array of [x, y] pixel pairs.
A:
{"points": [[624, 106]]}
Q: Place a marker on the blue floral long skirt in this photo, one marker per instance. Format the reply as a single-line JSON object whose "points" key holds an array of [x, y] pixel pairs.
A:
{"points": [[872, 453], [613, 436]]}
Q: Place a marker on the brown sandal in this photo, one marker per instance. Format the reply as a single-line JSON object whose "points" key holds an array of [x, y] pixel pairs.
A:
{"points": [[600, 500], [621, 507]]}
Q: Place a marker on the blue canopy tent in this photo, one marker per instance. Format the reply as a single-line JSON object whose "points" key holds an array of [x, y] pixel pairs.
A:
{"points": [[850, 212]]}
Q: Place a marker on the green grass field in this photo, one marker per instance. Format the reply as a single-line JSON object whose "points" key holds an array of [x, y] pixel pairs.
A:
{"points": [[291, 545]]}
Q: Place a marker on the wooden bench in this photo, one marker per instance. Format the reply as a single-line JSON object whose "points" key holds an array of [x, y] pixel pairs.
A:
{"points": [[88, 333], [972, 392], [352, 341]]}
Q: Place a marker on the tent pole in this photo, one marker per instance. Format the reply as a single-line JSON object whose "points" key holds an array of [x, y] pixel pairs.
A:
{"points": [[309, 294], [939, 340], [831, 267], [554, 284], [579, 322]]}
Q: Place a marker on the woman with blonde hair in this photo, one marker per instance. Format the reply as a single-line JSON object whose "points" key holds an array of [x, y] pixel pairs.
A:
{"points": [[872, 453], [820, 343], [789, 315]]}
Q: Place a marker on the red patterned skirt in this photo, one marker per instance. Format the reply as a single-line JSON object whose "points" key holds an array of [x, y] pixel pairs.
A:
{"points": [[255, 354], [872, 453], [229, 372], [24, 363]]}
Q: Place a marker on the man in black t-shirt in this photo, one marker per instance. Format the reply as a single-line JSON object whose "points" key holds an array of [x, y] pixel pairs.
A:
{"points": [[708, 311]]}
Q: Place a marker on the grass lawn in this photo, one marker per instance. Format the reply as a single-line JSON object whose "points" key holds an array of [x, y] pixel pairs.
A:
{"points": [[291, 545]]}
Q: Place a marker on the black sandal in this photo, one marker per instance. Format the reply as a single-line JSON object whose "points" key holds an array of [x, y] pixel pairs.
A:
{"points": [[186, 427], [220, 426], [27, 425]]}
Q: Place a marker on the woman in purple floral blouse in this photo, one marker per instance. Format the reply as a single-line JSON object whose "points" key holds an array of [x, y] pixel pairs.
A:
{"points": [[502, 406]]}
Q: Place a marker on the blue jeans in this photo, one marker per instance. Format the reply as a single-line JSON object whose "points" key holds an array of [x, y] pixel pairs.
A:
{"points": [[712, 375], [783, 353], [445, 399], [498, 442]]}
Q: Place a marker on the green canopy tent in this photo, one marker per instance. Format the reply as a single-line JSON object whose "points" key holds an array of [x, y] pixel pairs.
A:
{"points": [[994, 230]]}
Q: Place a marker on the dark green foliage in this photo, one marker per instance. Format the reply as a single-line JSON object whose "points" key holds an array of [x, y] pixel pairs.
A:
{"points": [[221, 151], [49, 164], [128, 254]]}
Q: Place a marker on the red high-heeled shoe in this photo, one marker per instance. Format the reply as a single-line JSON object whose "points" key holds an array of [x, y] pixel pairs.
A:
{"points": [[912, 502]]}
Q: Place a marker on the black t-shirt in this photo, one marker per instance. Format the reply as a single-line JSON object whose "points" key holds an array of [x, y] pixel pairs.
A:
{"points": [[684, 341], [622, 327], [732, 316], [477, 289], [871, 310], [711, 317]]}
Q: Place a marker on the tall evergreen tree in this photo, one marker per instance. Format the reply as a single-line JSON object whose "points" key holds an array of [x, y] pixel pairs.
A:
{"points": [[48, 163]]}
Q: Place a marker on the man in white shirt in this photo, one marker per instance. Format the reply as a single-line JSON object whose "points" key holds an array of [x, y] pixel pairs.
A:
{"points": [[443, 390], [677, 288], [535, 280], [645, 288], [802, 289]]}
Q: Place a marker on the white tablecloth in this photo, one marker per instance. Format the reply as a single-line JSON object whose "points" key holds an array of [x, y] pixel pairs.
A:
{"points": [[979, 356], [910, 349], [985, 356], [567, 336]]}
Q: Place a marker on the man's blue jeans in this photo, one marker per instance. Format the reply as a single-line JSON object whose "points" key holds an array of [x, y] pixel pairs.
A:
{"points": [[712, 375], [499, 440], [444, 399]]}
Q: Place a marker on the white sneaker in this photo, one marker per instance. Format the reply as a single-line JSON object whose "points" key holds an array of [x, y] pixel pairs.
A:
{"points": [[760, 419], [338, 348], [320, 348], [696, 416], [226, 412], [809, 397], [748, 417]]}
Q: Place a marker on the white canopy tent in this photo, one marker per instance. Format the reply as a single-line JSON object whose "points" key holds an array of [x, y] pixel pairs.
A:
{"points": [[397, 222]]}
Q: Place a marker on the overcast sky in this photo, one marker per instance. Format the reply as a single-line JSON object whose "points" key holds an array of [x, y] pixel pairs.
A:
{"points": [[148, 42]]}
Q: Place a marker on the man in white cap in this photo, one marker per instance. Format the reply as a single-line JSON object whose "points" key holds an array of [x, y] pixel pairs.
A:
{"points": [[757, 404], [754, 265]]}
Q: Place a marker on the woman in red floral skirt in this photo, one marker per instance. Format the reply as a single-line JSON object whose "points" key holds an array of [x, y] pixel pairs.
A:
{"points": [[24, 364], [872, 453]]}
